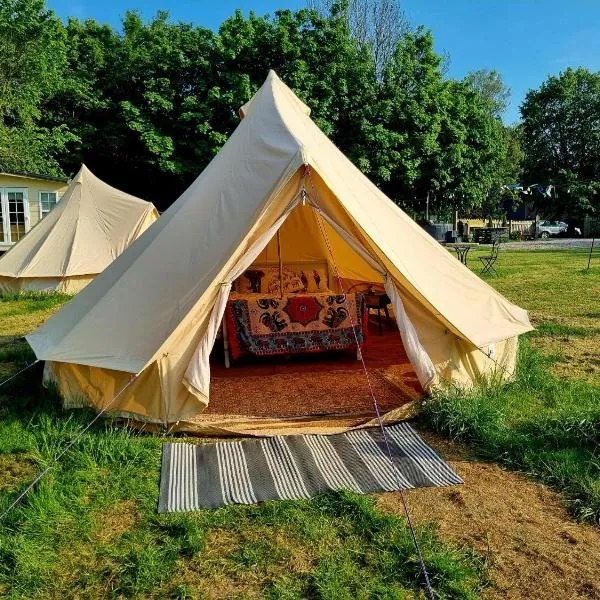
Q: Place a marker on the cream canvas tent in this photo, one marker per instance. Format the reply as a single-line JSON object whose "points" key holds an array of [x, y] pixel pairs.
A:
{"points": [[91, 225], [143, 330]]}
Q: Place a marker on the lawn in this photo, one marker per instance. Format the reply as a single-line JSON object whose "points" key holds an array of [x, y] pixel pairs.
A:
{"points": [[546, 423], [563, 300], [90, 529]]}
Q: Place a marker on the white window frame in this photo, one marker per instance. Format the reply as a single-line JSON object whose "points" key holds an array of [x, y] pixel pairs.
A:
{"points": [[42, 215], [6, 214]]}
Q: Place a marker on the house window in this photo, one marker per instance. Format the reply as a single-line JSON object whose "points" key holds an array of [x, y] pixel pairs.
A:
{"points": [[15, 214], [16, 211], [47, 203]]}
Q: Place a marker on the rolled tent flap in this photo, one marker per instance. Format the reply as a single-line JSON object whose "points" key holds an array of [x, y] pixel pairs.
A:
{"points": [[197, 375], [417, 355]]}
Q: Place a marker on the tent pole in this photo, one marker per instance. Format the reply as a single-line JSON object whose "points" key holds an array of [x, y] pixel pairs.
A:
{"points": [[280, 263]]}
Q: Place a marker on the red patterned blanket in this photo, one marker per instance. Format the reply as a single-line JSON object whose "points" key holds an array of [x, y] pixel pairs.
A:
{"points": [[296, 323]]}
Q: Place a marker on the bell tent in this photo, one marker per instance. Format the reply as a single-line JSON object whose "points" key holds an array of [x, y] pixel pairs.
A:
{"points": [[91, 225], [136, 341]]}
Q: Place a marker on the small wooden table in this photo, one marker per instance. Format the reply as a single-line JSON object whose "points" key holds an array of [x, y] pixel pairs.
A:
{"points": [[461, 248]]}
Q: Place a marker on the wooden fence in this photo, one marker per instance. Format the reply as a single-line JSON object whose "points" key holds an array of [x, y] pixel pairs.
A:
{"points": [[513, 226]]}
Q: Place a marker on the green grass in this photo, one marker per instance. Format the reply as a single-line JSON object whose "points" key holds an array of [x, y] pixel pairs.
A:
{"points": [[546, 426], [557, 329], [562, 298], [90, 529], [547, 422], [23, 303]]}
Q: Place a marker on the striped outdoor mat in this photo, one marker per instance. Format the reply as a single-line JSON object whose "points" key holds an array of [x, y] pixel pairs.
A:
{"points": [[299, 466]]}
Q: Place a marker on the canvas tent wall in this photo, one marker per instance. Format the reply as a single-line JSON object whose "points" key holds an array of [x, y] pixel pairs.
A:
{"points": [[276, 169], [91, 226]]}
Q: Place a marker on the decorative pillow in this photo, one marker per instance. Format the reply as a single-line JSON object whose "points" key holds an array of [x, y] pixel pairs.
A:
{"points": [[307, 277], [292, 281], [318, 278]]}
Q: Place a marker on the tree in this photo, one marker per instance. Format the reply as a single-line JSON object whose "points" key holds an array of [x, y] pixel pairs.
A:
{"points": [[150, 106], [376, 24], [432, 134], [32, 60], [161, 99], [140, 103], [404, 135], [491, 88], [561, 134], [471, 141]]}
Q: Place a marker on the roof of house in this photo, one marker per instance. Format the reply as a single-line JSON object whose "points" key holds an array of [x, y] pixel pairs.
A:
{"points": [[35, 176]]}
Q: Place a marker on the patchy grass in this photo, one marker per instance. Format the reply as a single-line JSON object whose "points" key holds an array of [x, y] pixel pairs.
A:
{"points": [[90, 528], [541, 424], [20, 313], [547, 422], [562, 298]]}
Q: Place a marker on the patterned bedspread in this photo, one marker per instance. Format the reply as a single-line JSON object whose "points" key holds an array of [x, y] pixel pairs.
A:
{"points": [[297, 323]]}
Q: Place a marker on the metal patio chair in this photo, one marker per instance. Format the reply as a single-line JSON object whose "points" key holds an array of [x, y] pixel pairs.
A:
{"points": [[489, 260]]}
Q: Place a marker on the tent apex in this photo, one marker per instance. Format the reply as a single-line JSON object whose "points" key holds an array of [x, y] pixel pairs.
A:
{"points": [[276, 88], [83, 170]]}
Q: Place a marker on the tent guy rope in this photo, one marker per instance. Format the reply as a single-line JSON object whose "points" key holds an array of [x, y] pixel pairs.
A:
{"points": [[55, 460], [35, 362], [372, 393]]}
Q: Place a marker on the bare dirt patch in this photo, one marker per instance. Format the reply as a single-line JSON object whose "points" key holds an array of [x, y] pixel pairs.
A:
{"points": [[535, 549], [15, 469], [579, 357], [115, 521]]}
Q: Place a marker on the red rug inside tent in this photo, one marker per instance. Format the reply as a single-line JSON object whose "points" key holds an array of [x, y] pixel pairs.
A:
{"points": [[315, 384]]}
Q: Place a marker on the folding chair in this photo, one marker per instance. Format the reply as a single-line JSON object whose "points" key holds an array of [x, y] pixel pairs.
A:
{"points": [[489, 260]]}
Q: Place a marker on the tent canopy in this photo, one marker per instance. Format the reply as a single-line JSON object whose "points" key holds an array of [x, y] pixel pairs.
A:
{"points": [[91, 225], [277, 170]]}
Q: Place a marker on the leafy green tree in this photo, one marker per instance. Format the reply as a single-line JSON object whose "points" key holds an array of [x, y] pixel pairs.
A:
{"points": [[317, 57], [561, 134], [161, 99], [469, 163], [491, 88], [32, 61], [149, 107], [140, 103], [404, 136], [432, 134]]}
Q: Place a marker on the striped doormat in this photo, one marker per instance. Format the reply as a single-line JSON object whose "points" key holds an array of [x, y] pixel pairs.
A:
{"points": [[299, 466]]}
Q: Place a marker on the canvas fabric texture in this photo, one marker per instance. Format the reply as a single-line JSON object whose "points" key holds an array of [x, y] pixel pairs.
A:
{"points": [[88, 229]]}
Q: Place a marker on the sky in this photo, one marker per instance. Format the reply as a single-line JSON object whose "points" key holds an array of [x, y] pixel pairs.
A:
{"points": [[524, 40]]}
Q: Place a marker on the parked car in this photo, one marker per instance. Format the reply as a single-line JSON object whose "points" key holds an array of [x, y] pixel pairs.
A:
{"points": [[544, 229]]}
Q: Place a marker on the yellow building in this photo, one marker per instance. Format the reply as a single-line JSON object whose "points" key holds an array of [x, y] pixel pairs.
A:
{"points": [[25, 198]]}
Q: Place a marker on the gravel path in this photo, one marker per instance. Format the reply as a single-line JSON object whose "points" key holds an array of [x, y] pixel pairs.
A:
{"points": [[551, 244]]}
